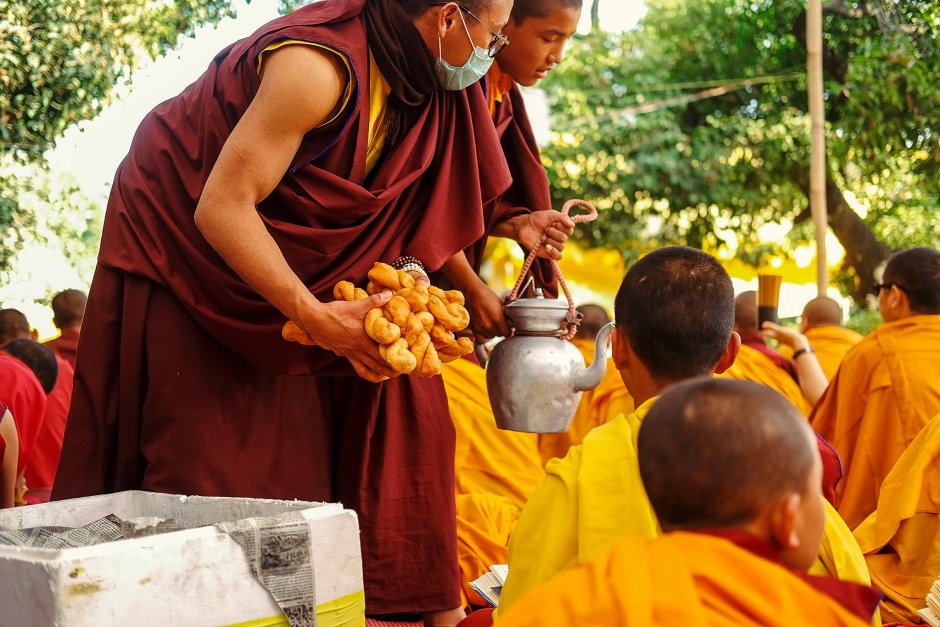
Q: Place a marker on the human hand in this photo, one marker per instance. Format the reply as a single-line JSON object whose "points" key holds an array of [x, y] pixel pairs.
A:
{"points": [[339, 326], [486, 313], [420, 279], [785, 335], [554, 225]]}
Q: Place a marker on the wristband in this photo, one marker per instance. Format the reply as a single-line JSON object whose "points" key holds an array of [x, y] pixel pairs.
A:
{"points": [[808, 349], [409, 264]]}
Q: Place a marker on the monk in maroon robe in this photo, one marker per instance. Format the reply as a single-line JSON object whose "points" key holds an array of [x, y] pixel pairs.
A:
{"points": [[242, 202]]}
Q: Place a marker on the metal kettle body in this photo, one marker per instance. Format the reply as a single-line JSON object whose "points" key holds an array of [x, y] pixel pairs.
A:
{"points": [[535, 378]]}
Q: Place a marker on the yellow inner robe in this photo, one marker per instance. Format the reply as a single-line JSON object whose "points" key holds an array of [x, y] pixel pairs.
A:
{"points": [[831, 343], [597, 407], [682, 580], [885, 392], [496, 471], [752, 365], [595, 496], [901, 539]]}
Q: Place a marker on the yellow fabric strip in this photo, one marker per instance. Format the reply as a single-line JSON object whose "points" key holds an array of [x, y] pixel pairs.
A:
{"points": [[346, 611], [378, 96], [347, 94]]}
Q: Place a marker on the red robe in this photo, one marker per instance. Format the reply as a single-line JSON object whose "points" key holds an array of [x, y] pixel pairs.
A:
{"points": [[184, 384], [40, 472], [3, 443], [66, 345], [23, 395]]}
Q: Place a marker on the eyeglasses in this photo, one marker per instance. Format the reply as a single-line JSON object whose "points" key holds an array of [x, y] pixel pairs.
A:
{"points": [[887, 286], [499, 40]]}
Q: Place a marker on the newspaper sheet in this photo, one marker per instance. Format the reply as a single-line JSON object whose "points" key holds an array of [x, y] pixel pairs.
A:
{"points": [[103, 530], [279, 552]]}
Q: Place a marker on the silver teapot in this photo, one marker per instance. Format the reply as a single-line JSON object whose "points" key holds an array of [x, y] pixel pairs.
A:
{"points": [[535, 378]]}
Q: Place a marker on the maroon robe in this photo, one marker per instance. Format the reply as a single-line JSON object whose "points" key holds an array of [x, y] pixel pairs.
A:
{"points": [[529, 190], [66, 345], [183, 382], [755, 340]]}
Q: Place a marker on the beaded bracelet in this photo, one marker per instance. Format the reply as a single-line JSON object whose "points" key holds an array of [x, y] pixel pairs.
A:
{"points": [[409, 264]]}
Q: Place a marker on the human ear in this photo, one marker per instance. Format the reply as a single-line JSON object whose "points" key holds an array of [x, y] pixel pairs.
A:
{"points": [[730, 354], [785, 522], [620, 348]]}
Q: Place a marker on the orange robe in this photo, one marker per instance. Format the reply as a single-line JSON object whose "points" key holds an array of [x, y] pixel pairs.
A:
{"points": [[688, 580], [885, 392], [598, 406], [831, 343], [901, 539], [496, 471], [751, 365]]}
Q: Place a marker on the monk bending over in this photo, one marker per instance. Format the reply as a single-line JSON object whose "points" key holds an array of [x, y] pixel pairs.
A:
{"points": [[674, 313], [733, 474]]}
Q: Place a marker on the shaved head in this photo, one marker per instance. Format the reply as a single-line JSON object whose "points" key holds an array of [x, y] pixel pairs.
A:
{"points": [[40, 359], [821, 312], [676, 308], [916, 272], [717, 453], [745, 310], [595, 317], [68, 308], [13, 325]]}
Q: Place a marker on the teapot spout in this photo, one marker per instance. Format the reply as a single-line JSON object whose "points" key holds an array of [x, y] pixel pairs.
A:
{"points": [[591, 377]]}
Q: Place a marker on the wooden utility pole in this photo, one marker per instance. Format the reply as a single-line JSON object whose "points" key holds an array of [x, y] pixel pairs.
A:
{"points": [[817, 113]]}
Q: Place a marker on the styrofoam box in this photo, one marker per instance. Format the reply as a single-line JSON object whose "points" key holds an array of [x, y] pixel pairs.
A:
{"points": [[197, 577]]}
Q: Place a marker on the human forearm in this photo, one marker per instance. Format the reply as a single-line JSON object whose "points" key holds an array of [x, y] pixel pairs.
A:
{"points": [[813, 381]]}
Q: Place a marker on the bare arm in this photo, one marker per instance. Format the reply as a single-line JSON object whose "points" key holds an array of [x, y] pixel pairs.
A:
{"points": [[486, 309], [252, 162], [813, 381], [528, 228], [9, 460]]}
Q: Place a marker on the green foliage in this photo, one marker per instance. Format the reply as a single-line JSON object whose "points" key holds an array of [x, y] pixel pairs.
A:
{"points": [[713, 157], [863, 321], [59, 63]]}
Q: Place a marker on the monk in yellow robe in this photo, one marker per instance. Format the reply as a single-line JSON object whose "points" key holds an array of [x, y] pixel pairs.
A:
{"points": [[495, 473], [901, 539], [598, 406], [889, 384], [821, 324], [674, 312], [733, 475]]}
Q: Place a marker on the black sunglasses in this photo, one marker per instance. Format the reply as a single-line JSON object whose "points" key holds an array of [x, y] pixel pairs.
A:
{"points": [[887, 286], [499, 40]]}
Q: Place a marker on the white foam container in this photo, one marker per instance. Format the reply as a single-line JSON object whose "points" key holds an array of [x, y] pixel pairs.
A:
{"points": [[195, 577]]}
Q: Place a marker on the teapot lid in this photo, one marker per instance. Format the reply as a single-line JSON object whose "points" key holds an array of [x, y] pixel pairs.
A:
{"points": [[537, 315]]}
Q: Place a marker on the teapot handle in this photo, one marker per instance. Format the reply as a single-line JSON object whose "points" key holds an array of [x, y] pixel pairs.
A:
{"points": [[573, 318]]}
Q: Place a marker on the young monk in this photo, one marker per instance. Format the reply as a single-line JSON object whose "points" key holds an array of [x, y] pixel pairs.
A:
{"points": [[733, 474], [68, 309], [674, 314], [888, 386], [821, 324]]}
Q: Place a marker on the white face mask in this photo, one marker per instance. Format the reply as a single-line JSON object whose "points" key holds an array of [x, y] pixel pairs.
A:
{"points": [[476, 67]]}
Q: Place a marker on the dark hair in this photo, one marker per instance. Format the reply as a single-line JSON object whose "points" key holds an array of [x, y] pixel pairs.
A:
{"points": [[714, 452], [676, 308], [13, 325], [524, 9], [68, 307], [917, 272], [40, 359]]}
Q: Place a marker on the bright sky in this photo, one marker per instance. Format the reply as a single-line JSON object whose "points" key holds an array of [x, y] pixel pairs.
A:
{"points": [[92, 150]]}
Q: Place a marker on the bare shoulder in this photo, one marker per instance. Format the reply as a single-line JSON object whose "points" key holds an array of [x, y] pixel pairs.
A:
{"points": [[302, 84]]}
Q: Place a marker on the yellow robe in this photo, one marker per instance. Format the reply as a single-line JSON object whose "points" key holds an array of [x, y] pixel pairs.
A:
{"points": [[682, 580], [598, 406], [885, 392], [901, 539], [495, 472], [831, 343], [751, 365], [595, 496]]}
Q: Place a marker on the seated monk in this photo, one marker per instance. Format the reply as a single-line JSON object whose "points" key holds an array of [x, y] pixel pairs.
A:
{"points": [[674, 315], [888, 386], [495, 473], [901, 538], [758, 362], [733, 475], [821, 324], [598, 406]]}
